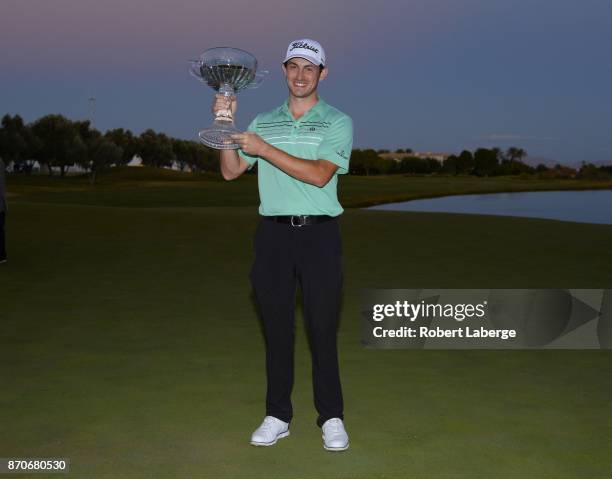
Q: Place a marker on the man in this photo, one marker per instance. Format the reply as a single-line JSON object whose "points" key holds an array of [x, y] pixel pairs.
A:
{"points": [[2, 212], [300, 148]]}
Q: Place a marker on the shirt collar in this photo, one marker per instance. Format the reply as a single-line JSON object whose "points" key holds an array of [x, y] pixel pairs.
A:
{"points": [[318, 108]]}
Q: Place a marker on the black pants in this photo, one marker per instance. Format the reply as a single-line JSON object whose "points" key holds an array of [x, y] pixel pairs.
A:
{"points": [[2, 243], [312, 255]]}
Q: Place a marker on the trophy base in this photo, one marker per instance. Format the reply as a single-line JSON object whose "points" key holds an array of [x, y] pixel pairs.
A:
{"points": [[218, 136]]}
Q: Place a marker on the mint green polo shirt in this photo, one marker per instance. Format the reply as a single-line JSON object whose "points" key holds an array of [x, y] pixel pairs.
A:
{"points": [[322, 133]]}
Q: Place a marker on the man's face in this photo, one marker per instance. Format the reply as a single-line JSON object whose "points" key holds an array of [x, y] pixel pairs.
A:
{"points": [[303, 77]]}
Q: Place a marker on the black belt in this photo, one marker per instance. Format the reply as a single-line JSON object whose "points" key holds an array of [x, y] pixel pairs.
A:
{"points": [[300, 220]]}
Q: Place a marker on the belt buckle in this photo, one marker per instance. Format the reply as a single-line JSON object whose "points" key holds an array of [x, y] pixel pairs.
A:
{"points": [[298, 225]]}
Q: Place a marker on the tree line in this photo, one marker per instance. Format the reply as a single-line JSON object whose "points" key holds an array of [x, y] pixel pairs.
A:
{"points": [[481, 162], [57, 142]]}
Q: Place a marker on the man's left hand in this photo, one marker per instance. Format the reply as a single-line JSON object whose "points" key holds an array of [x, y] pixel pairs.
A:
{"points": [[251, 143]]}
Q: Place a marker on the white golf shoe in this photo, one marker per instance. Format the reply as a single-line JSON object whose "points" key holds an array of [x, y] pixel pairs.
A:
{"points": [[270, 431], [335, 437]]}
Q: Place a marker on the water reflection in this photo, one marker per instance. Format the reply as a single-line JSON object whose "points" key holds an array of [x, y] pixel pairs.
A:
{"points": [[591, 206]]}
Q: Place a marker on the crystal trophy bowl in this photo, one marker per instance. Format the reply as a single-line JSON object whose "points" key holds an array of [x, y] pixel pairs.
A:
{"points": [[228, 71]]}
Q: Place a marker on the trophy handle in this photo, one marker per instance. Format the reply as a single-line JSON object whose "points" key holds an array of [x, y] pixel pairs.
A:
{"points": [[258, 79], [194, 69]]}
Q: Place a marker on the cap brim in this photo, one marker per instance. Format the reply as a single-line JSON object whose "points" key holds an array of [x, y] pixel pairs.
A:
{"points": [[305, 56]]}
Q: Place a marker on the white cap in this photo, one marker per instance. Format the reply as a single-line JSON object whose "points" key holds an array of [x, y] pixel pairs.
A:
{"points": [[308, 49]]}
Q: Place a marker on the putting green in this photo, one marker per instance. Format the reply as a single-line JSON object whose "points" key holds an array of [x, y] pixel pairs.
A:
{"points": [[130, 345]]}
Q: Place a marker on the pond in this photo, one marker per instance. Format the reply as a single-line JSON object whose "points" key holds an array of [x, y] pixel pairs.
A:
{"points": [[590, 206]]}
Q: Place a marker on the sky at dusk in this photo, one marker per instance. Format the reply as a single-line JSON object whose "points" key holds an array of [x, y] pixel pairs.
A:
{"points": [[431, 75]]}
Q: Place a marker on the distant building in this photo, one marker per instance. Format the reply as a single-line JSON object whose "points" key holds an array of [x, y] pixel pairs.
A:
{"points": [[176, 166], [68, 170], [135, 161], [27, 165], [416, 154]]}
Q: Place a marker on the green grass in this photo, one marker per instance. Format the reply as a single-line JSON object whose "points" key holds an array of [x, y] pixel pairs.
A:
{"points": [[149, 187], [130, 343]]}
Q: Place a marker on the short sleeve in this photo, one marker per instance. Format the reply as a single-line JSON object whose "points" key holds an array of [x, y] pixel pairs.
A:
{"points": [[337, 144], [251, 160]]}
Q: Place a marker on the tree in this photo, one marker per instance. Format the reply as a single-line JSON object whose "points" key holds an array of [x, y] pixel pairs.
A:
{"points": [[366, 162], [14, 137], [86, 132], [499, 155], [465, 163], [91, 138], [449, 166], [512, 164], [77, 151], [182, 152], [126, 141], [156, 149], [103, 153], [204, 158], [486, 161], [415, 165], [56, 134], [515, 154], [511, 153], [432, 165], [589, 171]]}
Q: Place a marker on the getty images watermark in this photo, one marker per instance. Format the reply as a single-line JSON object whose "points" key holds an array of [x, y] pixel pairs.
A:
{"points": [[487, 318]]}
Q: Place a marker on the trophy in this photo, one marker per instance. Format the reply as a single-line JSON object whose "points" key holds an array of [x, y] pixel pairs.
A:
{"points": [[228, 71]]}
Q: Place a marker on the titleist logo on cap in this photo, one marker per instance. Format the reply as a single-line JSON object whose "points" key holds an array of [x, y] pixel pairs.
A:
{"points": [[295, 45], [306, 48]]}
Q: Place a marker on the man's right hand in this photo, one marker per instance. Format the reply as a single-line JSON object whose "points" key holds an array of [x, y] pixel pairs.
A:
{"points": [[224, 103]]}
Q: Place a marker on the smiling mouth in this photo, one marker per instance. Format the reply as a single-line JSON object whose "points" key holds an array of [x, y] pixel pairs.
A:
{"points": [[300, 85]]}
